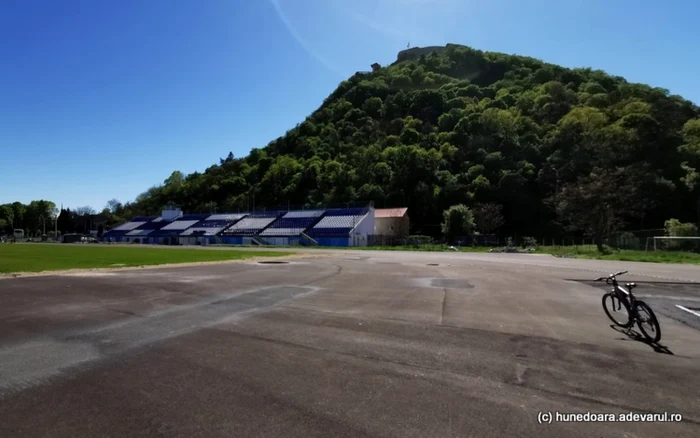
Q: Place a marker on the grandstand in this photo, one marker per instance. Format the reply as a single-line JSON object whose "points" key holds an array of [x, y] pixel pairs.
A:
{"points": [[143, 231], [118, 234], [245, 230], [170, 234], [207, 229], [330, 227], [339, 227], [293, 223]]}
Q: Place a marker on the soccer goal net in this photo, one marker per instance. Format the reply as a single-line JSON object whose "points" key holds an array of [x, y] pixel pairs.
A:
{"points": [[673, 243]]}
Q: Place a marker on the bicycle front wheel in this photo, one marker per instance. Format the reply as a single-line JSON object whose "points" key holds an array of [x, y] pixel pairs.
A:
{"points": [[616, 310], [647, 322]]}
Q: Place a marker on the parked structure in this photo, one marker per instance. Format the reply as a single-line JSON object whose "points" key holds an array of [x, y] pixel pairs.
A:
{"points": [[391, 222], [328, 227]]}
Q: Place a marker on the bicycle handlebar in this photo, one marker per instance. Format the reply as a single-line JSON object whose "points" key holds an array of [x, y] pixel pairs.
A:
{"points": [[611, 276]]}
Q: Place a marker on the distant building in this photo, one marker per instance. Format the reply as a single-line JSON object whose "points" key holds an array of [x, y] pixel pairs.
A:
{"points": [[322, 227], [392, 222], [376, 66]]}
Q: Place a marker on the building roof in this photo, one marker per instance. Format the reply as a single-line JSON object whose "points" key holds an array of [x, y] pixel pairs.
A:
{"points": [[178, 225], [390, 212], [128, 226]]}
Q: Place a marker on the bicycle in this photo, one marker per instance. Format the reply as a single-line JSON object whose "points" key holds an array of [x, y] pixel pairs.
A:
{"points": [[635, 310]]}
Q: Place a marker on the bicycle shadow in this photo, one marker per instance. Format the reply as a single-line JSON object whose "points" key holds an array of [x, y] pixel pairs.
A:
{"points": [[632, 334]]}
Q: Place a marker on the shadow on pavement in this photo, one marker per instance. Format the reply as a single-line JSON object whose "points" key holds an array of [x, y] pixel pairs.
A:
{"points": [[636, 336]]}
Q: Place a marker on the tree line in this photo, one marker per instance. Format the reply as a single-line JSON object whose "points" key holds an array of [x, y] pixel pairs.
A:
{"points": [[554, 150], [32, 218], [39, 217]]}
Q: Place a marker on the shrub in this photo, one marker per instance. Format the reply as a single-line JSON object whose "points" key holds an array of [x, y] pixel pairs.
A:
{"points": [[529, 242]]}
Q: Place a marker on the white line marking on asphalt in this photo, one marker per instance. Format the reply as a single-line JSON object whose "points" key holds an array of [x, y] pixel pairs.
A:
{"points": [[688, 310]]}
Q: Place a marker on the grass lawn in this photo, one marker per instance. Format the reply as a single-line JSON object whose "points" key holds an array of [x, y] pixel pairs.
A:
{"points": [[579, 252], [35, 257], [625, 255]]}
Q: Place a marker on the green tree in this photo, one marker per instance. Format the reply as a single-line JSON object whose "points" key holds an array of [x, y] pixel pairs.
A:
{"points": [[7, 214], [84, 210], [488, 217], [596, 203], [113, 205], [18, 213], [458, 221], [691, 153], [373, 107], [676, 228]]}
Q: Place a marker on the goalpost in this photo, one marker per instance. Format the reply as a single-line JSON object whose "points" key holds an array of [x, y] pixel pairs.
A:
{"points": [[673, 243]]}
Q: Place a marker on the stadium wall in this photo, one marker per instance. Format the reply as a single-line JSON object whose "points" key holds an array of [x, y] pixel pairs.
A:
{"points": [[333, 241], [281, 241], [232, 240], [366, 225]]}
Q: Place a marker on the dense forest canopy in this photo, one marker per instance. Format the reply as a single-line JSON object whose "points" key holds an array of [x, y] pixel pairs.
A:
{"points": [[557, 149]]}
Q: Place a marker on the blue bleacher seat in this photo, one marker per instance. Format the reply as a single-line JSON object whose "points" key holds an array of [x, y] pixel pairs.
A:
{"points": [[339, 222], [293, 223], [252, 224], [152, 225], [213, 224]]}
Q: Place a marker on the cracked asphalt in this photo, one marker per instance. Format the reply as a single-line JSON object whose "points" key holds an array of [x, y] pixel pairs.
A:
{"points": [[345, 343]]}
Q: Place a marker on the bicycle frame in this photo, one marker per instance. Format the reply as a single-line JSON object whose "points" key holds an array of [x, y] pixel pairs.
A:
{"points": [[626, 295]]}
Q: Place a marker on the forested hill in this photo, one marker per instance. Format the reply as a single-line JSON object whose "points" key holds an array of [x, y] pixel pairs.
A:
{"points": [[556, 147]]}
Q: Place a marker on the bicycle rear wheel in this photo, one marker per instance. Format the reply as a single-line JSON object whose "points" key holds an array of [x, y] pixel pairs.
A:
{"points": [[617, 310], [647, 322]]}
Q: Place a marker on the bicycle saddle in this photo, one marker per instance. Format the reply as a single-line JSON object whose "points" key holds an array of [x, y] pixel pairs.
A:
{"points": [[630, 286]]}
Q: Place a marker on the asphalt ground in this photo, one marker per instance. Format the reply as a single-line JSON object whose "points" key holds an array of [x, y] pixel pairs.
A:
{"points": [[355, 343]]}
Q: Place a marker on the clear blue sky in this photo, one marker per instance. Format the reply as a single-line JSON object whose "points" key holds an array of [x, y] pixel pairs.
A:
{"points": [[103, 99]]}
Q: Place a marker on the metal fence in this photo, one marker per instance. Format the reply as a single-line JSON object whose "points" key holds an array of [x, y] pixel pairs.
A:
{"points": [[636, 239], [631, 239]]}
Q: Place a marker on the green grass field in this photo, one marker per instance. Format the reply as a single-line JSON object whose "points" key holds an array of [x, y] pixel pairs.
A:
{"points": [[625, 255], [580, 252], [51, 257]]}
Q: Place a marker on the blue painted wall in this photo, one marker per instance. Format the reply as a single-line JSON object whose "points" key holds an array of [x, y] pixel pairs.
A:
{"points": [[232, 240], [333, 241]]}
